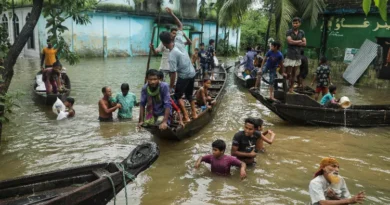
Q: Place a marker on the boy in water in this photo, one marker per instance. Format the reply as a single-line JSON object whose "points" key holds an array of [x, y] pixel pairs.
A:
{"points": [[202, 95], [263, 138], [69, 106], [322, 76], [221, 163]]}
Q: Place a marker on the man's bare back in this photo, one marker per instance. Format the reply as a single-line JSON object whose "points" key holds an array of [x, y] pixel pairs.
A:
{"points": [[104, 105]]}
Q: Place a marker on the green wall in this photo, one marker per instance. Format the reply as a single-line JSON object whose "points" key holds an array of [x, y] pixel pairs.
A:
{"points": [[346, 31]]}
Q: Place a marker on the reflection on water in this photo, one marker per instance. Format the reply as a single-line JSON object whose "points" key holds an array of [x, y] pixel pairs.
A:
{"points": [[35, 142]]}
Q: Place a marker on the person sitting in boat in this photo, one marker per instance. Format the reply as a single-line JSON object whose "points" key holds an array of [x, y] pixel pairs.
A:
{"points": [[244, 142], [52, 78], [221, 163], [328, 187], [273, 59], [48, 56], [322, 77], [155, 103], [248, 61], [202, 95], [263, 138], [329, 98], [69, 102], [127, 100], [105, 107]]}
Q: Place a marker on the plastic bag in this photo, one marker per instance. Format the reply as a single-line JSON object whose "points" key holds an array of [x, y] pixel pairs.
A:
{"points": [[58, 106], [62, 115], [216, 62]]}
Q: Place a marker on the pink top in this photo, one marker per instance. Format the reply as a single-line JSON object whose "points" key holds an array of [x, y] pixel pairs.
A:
{"points": [[221, 165]]}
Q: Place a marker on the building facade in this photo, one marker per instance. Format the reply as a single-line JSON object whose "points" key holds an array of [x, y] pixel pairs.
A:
{"points": [[121, 34]]}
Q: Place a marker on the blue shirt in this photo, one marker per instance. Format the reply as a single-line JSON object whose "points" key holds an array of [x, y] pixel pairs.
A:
{"points": [[328, 97], [158, 107], [202, 56], [127, 102], [273, 59], [249, 57], [179, 60]]}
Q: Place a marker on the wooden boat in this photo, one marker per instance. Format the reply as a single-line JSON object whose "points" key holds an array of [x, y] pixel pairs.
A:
{"points": [[249, 83], [301, 109], [92, 184], [217, 91], [246, 83], [40, 90]]}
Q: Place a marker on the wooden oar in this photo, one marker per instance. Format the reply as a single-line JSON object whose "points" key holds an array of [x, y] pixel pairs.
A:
{"points": [[150, 53]]}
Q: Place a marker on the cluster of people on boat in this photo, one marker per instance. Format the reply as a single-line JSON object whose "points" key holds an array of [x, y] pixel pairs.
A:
{"points": [[255, 66], [161, 103]]}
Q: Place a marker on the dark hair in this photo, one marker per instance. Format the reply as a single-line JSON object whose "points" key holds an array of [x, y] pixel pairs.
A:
{"points": [[295, 19], [259, 122], [173, 29], [219, 144], [211, 41], [104, 89], [276, 44], [206, 79], [248, 48], [166, 37], [252, 121], [197, 49], [125, 86], [323, 60], [332, 88], [302, 52], [201, 44], [152, 72], [57, 63], [70, 100], [160, 75]]}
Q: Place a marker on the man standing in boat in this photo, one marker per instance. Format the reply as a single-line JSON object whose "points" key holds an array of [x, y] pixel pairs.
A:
{"points": [[328, 187], [164, 66], [105, 108], [180, 64], [49, 56], [296, 41]]}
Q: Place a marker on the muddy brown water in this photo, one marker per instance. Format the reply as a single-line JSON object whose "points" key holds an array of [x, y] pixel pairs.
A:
{"points": [[35, 142]]}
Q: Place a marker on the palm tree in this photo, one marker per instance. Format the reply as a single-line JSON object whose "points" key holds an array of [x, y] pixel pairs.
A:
{"points": [[284, 11], [202, 15]]}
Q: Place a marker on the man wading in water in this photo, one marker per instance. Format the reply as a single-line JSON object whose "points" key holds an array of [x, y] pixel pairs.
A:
{"points": [[105, 109], [328, 187], [295, 40], [180, 64]]}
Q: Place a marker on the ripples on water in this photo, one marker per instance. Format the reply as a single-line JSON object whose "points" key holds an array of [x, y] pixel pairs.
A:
{"points": [[35, 142]]}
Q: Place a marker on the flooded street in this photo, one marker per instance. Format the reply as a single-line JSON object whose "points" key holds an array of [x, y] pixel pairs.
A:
{"points": [[35, 142]]}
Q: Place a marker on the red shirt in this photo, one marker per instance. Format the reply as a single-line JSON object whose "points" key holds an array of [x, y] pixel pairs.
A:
{"points": [[221, 165]]}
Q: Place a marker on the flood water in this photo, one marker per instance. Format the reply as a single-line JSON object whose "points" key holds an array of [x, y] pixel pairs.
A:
{"points": [[35, 142]]}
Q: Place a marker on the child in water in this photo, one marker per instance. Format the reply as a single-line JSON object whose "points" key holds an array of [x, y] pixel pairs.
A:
{"points": [[260, 145], [221, 163], [202, 95], [69, 107]]}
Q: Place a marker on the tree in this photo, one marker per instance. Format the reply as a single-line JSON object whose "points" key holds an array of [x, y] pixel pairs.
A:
{"points": [[254, 27], [11, 55], [202, 15], [380, 4], [284, 11], [75, 9]]}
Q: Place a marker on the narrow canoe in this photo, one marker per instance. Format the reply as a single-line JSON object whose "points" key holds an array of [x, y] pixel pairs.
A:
{"points": [[40, 90], [301, 109], [90, 184], [217, 91]]}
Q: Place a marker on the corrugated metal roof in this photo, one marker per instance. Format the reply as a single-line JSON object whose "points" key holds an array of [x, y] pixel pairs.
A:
{"points": [[364, 57]]}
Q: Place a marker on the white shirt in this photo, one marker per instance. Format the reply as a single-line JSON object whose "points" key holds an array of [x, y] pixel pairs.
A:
{"points": [[319, 186], [165, 54]]}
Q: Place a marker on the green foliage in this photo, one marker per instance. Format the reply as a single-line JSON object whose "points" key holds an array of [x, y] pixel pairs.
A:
{"points": [[253, 29], [380, 4], [232, 11], [114, 7], [4, 43], [223, 50], [7, 103], [77, 10]]}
